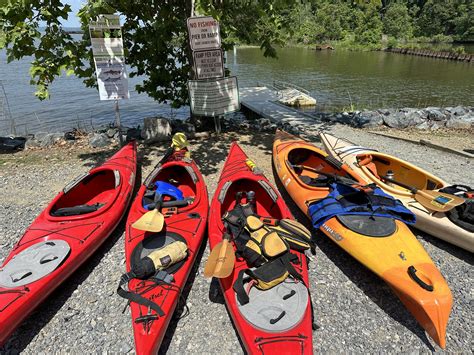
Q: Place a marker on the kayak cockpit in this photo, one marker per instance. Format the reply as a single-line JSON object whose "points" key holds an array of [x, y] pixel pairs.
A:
{"points": [[173, 183], [265, 197], [181, 177], [378, 166], [88, 195], [314, 169]]}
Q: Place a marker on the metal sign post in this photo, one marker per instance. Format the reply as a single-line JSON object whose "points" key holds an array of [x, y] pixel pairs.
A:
{"points": [[117, 122], [217, 124]]}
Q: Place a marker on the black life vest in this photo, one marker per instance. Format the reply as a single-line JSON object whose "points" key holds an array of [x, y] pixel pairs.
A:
{"points": [[462, 215]]}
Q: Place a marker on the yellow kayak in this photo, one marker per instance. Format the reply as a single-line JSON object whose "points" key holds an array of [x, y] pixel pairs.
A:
{"points": [[388, 248], [435, 223]]}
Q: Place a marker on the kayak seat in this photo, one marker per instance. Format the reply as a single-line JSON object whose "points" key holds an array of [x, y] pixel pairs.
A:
{"points": [[155, 242], [34, 263], [76, 210], [367, 161], [88, 194], [277, 309], [371, 226], [320, 181]]}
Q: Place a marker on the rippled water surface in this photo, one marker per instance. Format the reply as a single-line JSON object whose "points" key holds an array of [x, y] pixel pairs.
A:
{"points": [[335, 78]]}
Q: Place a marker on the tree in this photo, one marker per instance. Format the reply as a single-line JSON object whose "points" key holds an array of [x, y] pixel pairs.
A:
{"points": [[368, 29], [397, 22], [154, 33], [464, 21], [436, 17]]}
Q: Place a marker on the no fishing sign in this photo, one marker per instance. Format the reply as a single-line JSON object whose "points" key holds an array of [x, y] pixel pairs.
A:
{"points": [[204, 33]]}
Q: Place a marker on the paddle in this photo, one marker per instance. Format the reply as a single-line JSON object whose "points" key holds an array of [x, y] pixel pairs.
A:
{"points": [[433, 200], [220, 262], [338, 178], [151, 221]]}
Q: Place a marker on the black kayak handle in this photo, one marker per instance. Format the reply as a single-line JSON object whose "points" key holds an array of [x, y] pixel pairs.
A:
{"points": [[414, 276], [275, 320]]}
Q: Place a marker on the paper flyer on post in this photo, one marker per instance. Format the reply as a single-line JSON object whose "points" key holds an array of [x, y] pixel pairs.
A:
{"points": [[109, 59]]}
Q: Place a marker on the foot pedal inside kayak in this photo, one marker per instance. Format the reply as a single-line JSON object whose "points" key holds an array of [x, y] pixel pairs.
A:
{"points": [[34, 263]]}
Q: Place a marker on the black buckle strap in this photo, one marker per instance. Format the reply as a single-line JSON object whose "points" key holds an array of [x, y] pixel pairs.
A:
{"points": [[124, 292]]}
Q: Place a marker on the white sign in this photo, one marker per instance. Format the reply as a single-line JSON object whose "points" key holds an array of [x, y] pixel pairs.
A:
{"points": [[107, 48], [214, 97], [209, 64], [203, 33]]}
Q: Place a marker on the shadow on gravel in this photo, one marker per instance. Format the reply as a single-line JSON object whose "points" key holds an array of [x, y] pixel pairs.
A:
{"points": [[458, 252], [215, 292], [372, 286], [181, 306], [30, 328], [94, 159]]}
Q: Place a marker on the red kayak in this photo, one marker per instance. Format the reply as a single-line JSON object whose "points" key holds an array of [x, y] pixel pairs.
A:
{"points": [[258, 331], [183, 223], [63, 236]]}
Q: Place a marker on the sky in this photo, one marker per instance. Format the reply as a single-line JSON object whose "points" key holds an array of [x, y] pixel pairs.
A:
{"points": [[73, 20]]}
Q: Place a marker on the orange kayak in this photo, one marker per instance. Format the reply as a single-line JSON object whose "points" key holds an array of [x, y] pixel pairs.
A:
{"points": [[391, 250]]}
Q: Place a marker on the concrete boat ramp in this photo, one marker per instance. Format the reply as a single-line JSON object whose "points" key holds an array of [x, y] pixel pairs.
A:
{"points": [[264, 101]]}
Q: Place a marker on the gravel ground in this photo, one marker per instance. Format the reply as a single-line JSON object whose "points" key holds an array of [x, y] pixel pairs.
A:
{"points": [[356, 311]]}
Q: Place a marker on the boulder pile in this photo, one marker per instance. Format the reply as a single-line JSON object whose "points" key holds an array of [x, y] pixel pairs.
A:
{"points": [[430, 118]]}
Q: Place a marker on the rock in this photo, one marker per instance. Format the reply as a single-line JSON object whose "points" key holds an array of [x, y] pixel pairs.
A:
{"points": [[468, 117], [263, 124], [111, 132], [244, 125], [32, 143], [182, 126], [69, 136], [396, 120], [51, 138], [458, 123], [435, 114], [345, 118], [424, 125], [367, 119], [415, 117], [40, 135], [435, 125], [457, 111], [133, 133], [387, 111], [156, 129], [99, 140]]}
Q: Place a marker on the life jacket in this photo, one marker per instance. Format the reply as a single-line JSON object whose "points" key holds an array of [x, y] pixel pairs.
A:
{"points": [[347, 200], [262, 246], [462, 215], [252, 249]]}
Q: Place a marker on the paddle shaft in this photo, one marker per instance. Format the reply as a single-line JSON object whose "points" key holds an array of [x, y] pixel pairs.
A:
{"points": [[432, 196], [411, 188], [335, 176]]}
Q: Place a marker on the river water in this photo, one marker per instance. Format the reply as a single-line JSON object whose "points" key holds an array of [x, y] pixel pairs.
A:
{"points": [[338, 79]]}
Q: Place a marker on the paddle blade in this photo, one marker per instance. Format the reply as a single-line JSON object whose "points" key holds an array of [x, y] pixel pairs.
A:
{"points": [[220, 262], [438, 201], [151, 221]]}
